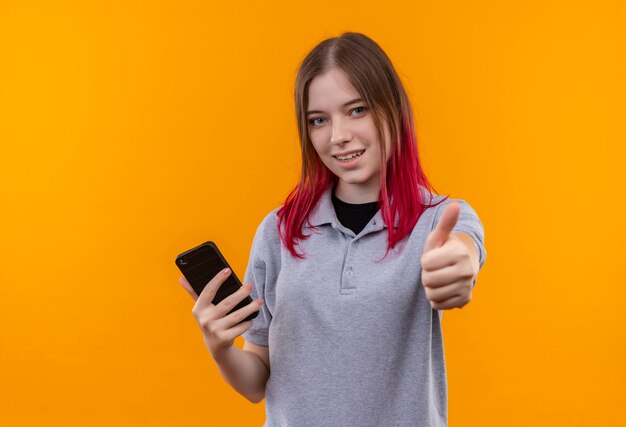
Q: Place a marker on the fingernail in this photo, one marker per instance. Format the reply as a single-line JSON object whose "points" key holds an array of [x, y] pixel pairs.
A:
{"points": [[260, 301], [226, 271]]}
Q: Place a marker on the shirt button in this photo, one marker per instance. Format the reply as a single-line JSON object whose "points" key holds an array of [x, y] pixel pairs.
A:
{"points": [[349, 272]]}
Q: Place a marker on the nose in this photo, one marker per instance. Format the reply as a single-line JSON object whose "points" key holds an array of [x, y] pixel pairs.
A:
{"points": [[340, 132]]}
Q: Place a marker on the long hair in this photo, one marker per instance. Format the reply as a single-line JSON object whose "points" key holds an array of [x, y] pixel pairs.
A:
{"points": [[372, 74]]}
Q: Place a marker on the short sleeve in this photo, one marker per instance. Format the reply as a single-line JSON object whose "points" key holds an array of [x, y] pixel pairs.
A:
{"points": [[470, 223], [261, 272]]}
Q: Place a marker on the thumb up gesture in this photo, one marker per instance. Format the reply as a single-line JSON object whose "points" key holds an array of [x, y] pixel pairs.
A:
{"points": [[449, 263]]}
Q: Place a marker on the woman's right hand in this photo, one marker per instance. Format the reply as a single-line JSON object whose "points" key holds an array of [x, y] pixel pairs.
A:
{"points": [[219, 328]]}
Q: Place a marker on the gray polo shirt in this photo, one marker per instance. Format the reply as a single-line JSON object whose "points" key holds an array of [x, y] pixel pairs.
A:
{"points": [[352, 341]]}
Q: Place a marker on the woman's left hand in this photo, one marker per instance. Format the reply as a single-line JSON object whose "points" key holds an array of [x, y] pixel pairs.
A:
{"points": [[449, 263]]}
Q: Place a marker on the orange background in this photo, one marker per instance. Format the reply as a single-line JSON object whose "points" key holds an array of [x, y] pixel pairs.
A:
{"points": [[131, 132]]}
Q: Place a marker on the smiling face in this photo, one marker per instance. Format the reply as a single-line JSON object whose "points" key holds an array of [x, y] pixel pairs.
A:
{"points": [[344, 136]]}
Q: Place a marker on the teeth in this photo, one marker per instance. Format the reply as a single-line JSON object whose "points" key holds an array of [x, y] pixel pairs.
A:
{"points": [[350, 156]]}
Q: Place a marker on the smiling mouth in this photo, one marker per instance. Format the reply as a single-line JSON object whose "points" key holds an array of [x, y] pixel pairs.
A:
{"points": [[349, 156]]}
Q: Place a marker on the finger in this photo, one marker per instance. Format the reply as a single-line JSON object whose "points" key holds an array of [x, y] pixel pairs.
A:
{"points": [[454, 302], [447, 222], [442, 293], [442, 277], [237, 330], [237, 316], [209, 291], [439, 258], [188, 288], [232, 300]]}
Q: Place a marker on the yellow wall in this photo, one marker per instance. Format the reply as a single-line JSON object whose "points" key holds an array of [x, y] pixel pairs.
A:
{"points": [[131, 132]]}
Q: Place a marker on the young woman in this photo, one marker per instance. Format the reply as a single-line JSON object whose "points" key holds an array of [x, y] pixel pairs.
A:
{"points": [[352, 272]]}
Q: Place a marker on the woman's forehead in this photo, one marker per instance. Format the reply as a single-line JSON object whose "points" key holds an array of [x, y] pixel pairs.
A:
{"points": [[331, 88]]}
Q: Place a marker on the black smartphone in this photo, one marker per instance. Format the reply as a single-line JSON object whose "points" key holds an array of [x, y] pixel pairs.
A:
{"points": [[200, 264]]}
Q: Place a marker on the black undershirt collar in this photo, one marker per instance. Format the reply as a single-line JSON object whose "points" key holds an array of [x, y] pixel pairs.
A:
{"points": [[354, 216]]}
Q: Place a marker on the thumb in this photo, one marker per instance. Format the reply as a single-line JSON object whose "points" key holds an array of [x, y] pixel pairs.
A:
{"points": [[442, 231]]}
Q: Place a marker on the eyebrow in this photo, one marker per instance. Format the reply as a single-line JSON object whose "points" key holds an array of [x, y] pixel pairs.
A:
{"points": [[353, 101]]}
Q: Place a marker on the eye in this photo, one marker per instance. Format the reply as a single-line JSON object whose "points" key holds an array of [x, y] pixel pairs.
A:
{"points": [[360, 110], [314, 122]]}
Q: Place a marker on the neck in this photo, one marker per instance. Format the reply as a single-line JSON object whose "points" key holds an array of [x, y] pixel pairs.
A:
{"points": [[356, 194]]}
